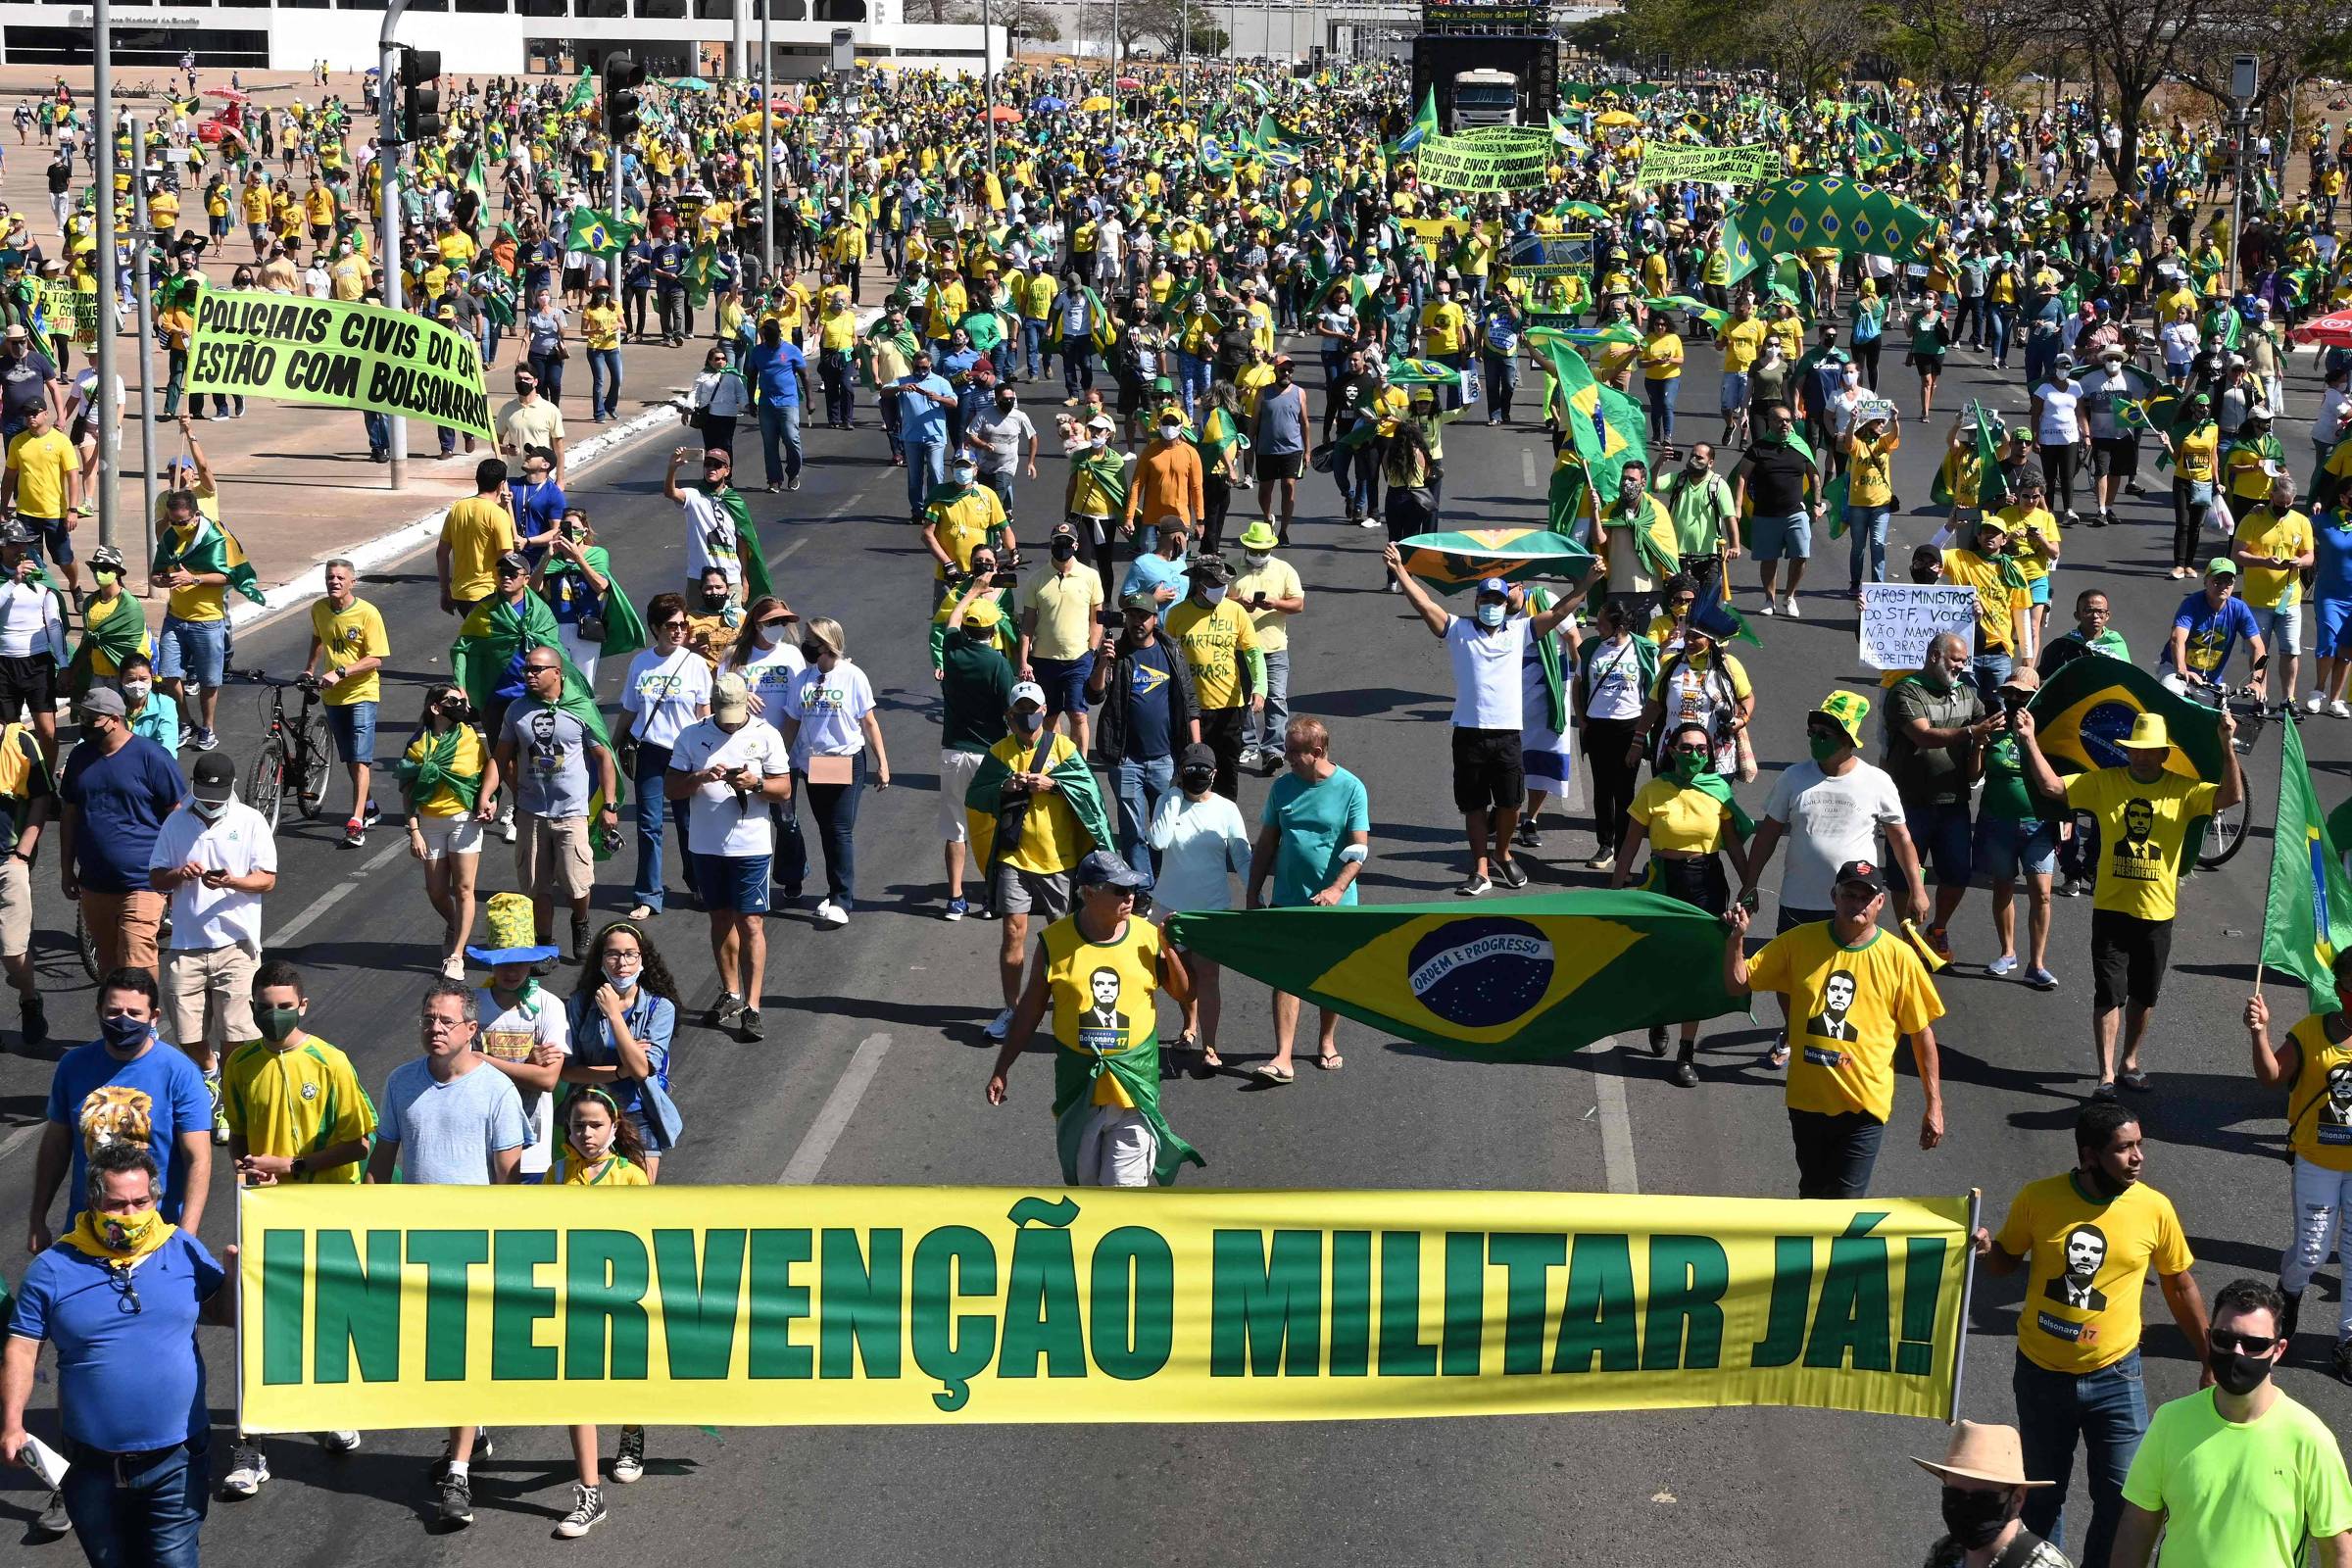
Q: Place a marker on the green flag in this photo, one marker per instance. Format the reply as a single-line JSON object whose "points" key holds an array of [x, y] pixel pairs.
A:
{"points": [[599, 233], [2306, 919], [583, 92], [1424, 126], [1992, 485], [1527, 978]]}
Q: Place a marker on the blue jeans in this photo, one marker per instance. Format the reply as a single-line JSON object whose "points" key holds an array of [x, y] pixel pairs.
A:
{"points": [[150, 1517], [1991, 669], [1192, 379], [1359, 473], [2041, 357], [652, 764], [603, 383], [1140, 786], [1661, 408], [1866, 529], [1265, 731], [1077, 366], [781, 422], [926, 469], [2004, 321], [1035, 352], [836, 808], [379, 433], [1835, 1154], [2108, 1411]]}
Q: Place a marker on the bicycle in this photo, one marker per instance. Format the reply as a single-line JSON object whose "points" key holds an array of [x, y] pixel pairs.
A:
{"points": [[2226, 834], [301, 748]]}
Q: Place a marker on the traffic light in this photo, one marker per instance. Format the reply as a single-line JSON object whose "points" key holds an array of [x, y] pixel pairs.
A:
{"points": [[623, 76], [419, 100]]}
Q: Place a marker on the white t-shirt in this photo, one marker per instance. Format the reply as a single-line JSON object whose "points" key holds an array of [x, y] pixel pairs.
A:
{"points": [[831, 709], [1203, 846], [710, 539], [1485, 672], [28, 620], [510, 1034], [1616, 686], [2059, 427], [719, 820], [238, 842], [767, 672], [1829, 821], [663, 690]]}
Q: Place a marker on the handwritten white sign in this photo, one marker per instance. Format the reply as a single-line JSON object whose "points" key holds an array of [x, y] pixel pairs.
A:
{"points": [[1900, 618]]}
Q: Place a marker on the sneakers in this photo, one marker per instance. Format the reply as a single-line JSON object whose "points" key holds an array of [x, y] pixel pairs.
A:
{"points": [[1368, 521], [33, 1022], [455, 1506], [505, 824], [2007, 963], [211, 1086], [453, 969], [202, 739], [2315, 702], [1767, 610], [1603, 862], [956, 909], [629, 1463], [2343, 1361], [831, 913], [1000, 1025], [373, 816], [727, 1011], [54, 1520], [1789, 609], [355, 833], [2041, 979], [1529, 836], [1474, 886], [1512, 876], [247, 1471], [749, 1024], [339, 1441], [2339, 708], [1942, 941], [587, 1512]]}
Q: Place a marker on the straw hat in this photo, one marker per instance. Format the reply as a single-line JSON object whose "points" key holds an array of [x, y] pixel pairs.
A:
{"points": [[1982, 1453]]}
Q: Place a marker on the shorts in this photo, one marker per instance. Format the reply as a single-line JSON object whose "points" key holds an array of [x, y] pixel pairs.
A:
{"points": [[1927, 364], [16, 908], [193, 651], [123, 927], [1065, 681], [30, 681], [2115, 455], [734, 883], [2004, 844], [2037, 589], [552, 857], [575, 278], [2281, 627], [1018, 892], [445, 836], [2127, 959], [1489, 770], [1273, 466], [354, 728], [1944, 839], [1788, 538], [956, 772], [1734, 392], [50, 535], [208, 995]]}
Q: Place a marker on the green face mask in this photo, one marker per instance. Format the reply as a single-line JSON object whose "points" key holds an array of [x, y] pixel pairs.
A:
{"points": [[276, 1022], [1823, 747], [1687, 767]]}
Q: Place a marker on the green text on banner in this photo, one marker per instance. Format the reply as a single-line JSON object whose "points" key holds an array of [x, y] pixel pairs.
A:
{"points": [[338, 354], [1722, 166], [1517, 161]]}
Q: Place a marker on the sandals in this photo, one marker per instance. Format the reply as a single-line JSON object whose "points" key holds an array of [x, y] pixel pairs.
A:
{"points": [[2133, 1080], [642, 911], [1330, 1063], [1190, 1042], [1776, 1056], [1268, 1073]]}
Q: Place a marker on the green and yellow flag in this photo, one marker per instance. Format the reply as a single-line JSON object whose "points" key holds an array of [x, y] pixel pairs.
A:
{"points": [[2306, 919], [1518, 979], [2082, 713], [1448, 562], [598, 233]]}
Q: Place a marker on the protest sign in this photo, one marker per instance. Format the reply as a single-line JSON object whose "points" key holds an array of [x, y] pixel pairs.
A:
{"points": [[1663, 161], [1900, 618], [389, 1306], [337, 355], [1515, 161], [1534, 256], [67, 311]]}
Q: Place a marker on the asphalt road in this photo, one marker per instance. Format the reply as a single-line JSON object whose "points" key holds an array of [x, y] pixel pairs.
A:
{"points": [[874, 1062]]}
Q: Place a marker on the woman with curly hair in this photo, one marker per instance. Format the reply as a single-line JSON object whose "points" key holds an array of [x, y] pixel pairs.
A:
{"points": [[623, 1017]]}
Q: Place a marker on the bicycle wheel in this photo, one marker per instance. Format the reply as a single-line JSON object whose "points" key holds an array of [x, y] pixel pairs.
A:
{"points": [[2225, 836], [317, 762], [265, 790], [85, 948]]}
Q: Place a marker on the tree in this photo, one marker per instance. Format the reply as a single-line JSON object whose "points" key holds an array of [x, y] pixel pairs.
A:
{"points": [[1811, 42], [1966, 48], [2131, 46], [2291, 44], [1605, 36], [1020, 19]]}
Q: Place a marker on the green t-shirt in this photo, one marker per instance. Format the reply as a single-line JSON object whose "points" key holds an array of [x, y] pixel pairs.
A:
{"points": [[1314, 821], [2233, 1495], [986, 330], [2006, 795], [975, 688], [1927, 334]]}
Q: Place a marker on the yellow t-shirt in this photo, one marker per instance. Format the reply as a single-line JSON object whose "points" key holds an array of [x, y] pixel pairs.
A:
{"points": [[1661, 358], [1683, 821], [964, 523], [2263, 532], [2141, 828], [1855, 1004], [298, 1101], [1279, 581], [349, 636], [1742, 341], [1064, 603], [1053, 838], [1998, 596], [1102, 995], [42, 464], [2248, 482], [2037, 531], [601, 326], [2319, 1125], [836, 330], [201, 600], [1872, 468], [1213, 639], [2197, 452], [1442, 327], [468, 761], [614, 1170], [2088, 1268], [479, 530]]}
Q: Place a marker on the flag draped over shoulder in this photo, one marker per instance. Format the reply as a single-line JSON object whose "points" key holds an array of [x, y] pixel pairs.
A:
{"points": [[1072, 778], [487, 658], [624, 628], [117, 631], [211, 548], [756, 581], [2307, 918], [1520, 979]]}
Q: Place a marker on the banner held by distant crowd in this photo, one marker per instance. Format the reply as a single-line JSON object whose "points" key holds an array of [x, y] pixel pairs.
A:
{"points": [[339, 355], [373, 1307], [1663, 161], [1489, 163]]}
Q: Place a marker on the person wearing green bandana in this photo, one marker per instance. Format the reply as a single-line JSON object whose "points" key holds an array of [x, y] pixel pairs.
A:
{"points": [[440, 782]]}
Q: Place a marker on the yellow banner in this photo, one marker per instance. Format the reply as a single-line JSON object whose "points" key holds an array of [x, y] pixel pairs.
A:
{"points": [[425, 1307]]}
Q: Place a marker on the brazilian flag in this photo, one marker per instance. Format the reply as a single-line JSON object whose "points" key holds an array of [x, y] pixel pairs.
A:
{"points": [[1448, 561], [1517, 979], [2082, 713], [599, 233], [2307, 917]]}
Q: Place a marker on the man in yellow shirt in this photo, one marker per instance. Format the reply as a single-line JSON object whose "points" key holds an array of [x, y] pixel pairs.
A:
{"points": [[1219, 643], [350, 632], [2272, 548], [1743, 340], [2003, 602], [478, 531], [2145, 811], [1444, 330], [193, 565], [42, 484]]}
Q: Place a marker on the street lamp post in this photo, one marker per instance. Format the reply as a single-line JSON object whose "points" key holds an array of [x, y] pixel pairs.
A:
{"points": [[768, 144], [988, 87], [142, 284], [109, 413], [387, 170]]}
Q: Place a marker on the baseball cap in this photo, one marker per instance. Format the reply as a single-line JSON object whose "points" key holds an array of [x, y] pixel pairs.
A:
{"points": [[1144, 599], [214, 776], [1100, 421], [1027, 690], [1104, 870], [731, 698], [1197, 758], [1495, 586], [1209, 568], [1846, 710], [2221, 567], [1865, 873], [103, 700], [1281, 361], [513, 563]]}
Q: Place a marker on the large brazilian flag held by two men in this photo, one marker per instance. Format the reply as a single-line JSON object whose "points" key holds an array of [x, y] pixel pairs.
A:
{"points": [[1527, 978]]}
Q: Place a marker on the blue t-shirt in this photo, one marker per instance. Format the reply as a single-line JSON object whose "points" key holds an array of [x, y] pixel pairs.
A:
{"points": [[1148, 719], [123, 799], [2212, 633], [538, 507], [1154, 570], [1314, 820], [776, 373], [126, 1382], [920, 418], [2334, 546], [447, 1132], [98, 1099]]}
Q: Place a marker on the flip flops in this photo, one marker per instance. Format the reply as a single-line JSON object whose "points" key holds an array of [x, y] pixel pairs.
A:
{"points": [[1268, 1073]]}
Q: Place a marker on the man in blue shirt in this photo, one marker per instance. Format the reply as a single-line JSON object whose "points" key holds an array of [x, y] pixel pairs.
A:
{"points": [[924, 398], [779, 376], [120, 1298], [636, 283], [2206, 629], [126, 1087], [669, 292], [117, 790]]}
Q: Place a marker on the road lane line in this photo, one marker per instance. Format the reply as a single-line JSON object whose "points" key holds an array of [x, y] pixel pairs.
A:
{"points": [[18, 1137], [334, 895], [1616, 1131], [1527, 467], [840, 1106]]}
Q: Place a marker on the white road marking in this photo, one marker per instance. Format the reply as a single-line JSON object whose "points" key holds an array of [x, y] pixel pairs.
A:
{"points": [[1527, 468], [18, 1137], [834, 1116], [334, 895], [1616, 1131]]}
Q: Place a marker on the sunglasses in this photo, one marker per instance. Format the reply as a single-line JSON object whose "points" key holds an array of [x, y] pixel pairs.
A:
{"points": [[2224, 1344]]}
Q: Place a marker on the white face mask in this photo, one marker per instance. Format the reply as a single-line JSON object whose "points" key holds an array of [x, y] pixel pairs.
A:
{"points": [[1257, 558], [1214, 593], [1169, 432], [135, 691]]}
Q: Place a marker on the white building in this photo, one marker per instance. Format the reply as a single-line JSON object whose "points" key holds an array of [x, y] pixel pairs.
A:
{"points": [[483, 37]]}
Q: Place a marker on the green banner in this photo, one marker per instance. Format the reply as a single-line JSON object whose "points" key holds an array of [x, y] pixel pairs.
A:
{"points": [[339, 356], [1504, 158], [1727, 165]]}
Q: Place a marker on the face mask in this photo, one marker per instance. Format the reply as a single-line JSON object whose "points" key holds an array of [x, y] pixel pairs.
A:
{"points": [[1974, 1518], [622, 983], [122, 1031], [2239, 1373], [135, 691], [1687, 767], [966, 475], [1169, 432], [122, 1233], [1489, 615], [1213, 593], [714, 602], [276, 1022], [1029, 723], [813, 649], [1258, 559], [1064, 547], [210, 810], [1197, 783]]}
